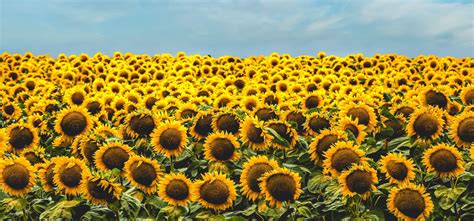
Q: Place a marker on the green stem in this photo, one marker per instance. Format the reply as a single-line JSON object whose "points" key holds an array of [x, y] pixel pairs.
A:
{"points": [[172, 163]]}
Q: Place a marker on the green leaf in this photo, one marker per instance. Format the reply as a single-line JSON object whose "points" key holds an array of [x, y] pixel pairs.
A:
{"points": [[373, 215], [448, 196], [305, 211], [277, 138]]}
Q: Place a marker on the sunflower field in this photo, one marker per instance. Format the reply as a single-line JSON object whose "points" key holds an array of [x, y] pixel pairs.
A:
{"points": [[274, 137]]}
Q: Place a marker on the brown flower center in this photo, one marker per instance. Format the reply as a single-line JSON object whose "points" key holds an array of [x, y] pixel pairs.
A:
{"points": [[318, 123], [90, 147], [359, 181], [255, 135], [410, 203], [282, 130], [49, 175], [469, 97], [215, 192], [361, 114], [222, 149], [325, 143], [397, 170], [437, 99], [99, 192], [203, 125], [177, 189], [115, 157], [33, 158], [443, 161], [466, 130], [9, 109], [16, 176], [188, 113], [311, 102], [144, 174], [254, 173], [425, 125], [265, 114], [73, 123], [142, 125], [71, 176], [170, 139], [343, 159], [282, 187], [93, 107], [405, 111], [228, 123], [77, 98], [20, 137], [353, 129], [296, 117]]}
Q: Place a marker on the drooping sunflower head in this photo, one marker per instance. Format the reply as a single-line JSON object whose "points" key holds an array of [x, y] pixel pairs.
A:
{"points": [[169, 138], [397, 168], [444, 160], [141, 123], [316, 122], [285, 131], [202, 125], [220, 147], [341, 156], [143, 173], [186, 111], [112, 155], [462, 129], [73, 121], [265, 113], [100, 190], [69, 175], [21, 137], [280, 185], [46, 174], [214, 191], [296, 116], [405, 109], [34, 155], [176, 189], [253, 134], [410, 202], [358, 180], [16, 176], [352, 125], [426, 123], [467, 95], [323, 142], [227, 122], [253, 170], [363, 112]]}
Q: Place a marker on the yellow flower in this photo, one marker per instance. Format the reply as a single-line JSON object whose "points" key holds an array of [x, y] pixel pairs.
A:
{"points": [[176, 189], [280, 185], [214, 191], [446, 161], [410, 202], [358, 180], [16, 176], [397, 168], [255, 168], [169, 138]]}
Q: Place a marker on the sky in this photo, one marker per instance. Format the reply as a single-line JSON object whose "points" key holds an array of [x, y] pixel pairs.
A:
{"points": [[241, 28]]}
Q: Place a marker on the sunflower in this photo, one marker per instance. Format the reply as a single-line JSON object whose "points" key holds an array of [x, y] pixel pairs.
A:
{"points": [[143, 173], [312, 100], [73, 121], [316, 122], [112, 155], [363, 112], [285, 131], [21, 137], [358, 180], [202, 125], [227, 122], [405, 109], [69, 175], [75, 96], [253, 134], [34, 155], [253, 169], [410, 202], [93, 105], [434, 97], [169, 138], [100, 190], [249, 103], [186, 111], [341, 156], [16, 176], [426, 123], [176, 189], [280, 185], [397, 168], [220, 147], [214, 191], [141, 123], [446, 161], [467, 95], [296, 116], [265, 113], [352, 125], [323, 142], [11, 110], [462, 129], [46, 174], [3, 141]]}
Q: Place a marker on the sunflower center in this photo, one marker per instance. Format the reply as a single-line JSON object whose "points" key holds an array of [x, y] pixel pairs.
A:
{"points": [[254, 134], [150, 102], [16, 176], [361, 114], [254, 173], [33, 158], [443, 161], [177, 189], [21, 137], [90, 147], [466, 130], [359, 181], [425, 125], [93, 107], [437, 99], [405, 111], [325, 143], [296, 117], [282, 187], [73, 123], [99, 192], [250, 105], [49, 175], [142, 125], [215, 192], [115, 157], [9, 109], [77, 98], [222, 149], [397, 170], [353, 129], [282, 130], [71, 176], [144, 174], [469, 97], [410, 203], [203, 125], [170, 139], [343, 159], [228, 123], [266, 114], [312, 102], [318, 123], [188, 113]]}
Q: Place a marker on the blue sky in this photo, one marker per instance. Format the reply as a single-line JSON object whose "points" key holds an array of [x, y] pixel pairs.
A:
{"points": [[241, 28]]}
